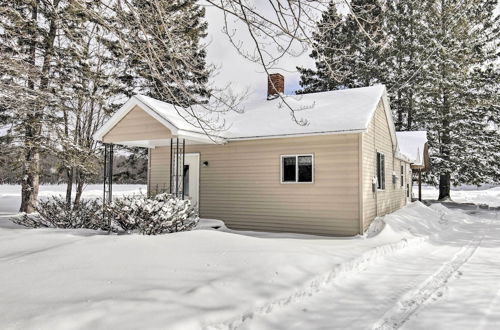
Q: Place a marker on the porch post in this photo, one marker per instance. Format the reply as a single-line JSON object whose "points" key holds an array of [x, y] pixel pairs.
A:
{"points": [[177, 168], [183, 160], [111, 159], [104, 174], [420, 185], [108, 173], [108, 179], [171, 163]]}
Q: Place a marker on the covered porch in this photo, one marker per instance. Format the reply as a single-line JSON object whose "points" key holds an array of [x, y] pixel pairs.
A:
{"points": [[138, 124]]}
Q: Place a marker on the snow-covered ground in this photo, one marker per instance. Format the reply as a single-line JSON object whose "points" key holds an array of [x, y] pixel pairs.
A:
{"points": [[419, 267], [466, 194], [10, 195]]}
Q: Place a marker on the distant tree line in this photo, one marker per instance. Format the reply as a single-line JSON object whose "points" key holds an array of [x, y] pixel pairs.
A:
{"points": [[127, 169]]}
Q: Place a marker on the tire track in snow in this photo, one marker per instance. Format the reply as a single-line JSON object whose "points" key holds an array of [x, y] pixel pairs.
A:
{"points": [[410, 302], [317, 284]]}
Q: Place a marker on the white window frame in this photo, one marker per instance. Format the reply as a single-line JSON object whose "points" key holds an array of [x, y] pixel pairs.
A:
{"points": [[296, 169], [382, 187]]}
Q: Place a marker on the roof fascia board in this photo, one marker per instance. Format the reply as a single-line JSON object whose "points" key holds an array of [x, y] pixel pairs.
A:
{"points": [[387, 109], [390, 121], [139, 143], [281, 136]]}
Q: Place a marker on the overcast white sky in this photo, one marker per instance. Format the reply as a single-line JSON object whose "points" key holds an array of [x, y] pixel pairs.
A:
{"points": [[240, 72]]}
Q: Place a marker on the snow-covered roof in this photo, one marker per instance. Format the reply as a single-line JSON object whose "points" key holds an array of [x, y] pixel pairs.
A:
{"points": [[341, 111], [412, 145]]}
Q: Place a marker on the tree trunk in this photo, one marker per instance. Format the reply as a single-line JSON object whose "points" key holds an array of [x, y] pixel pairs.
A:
{"points": [[79, 188], [409, 120], [445, 136], [399, 123], [30, 180], [69, 185], [33, 123], [444, 186], [409, 123]]}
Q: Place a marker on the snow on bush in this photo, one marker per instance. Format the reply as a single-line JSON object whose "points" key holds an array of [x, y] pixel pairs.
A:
{"points": [[55, 212], [164, 213]]}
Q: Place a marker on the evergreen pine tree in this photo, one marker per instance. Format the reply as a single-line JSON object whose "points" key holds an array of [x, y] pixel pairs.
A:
{"points": [[332, 66], [347, 50], [28, 54], [454, 92], [403, 55], [160, 43]]}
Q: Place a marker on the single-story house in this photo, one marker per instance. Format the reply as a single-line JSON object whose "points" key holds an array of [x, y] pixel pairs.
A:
{"points": [[265, 172]]}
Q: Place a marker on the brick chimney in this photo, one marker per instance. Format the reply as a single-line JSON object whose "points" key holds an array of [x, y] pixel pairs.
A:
{"points": [[275, 85]]}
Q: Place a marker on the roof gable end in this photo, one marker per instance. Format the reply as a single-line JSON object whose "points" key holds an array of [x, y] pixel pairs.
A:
{"points": [[124, 110]]}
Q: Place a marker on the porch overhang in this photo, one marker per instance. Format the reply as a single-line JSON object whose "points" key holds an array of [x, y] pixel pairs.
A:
{"points": [[136, 124], [154, 143]]}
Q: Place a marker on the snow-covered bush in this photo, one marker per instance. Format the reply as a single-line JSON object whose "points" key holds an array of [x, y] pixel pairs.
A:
{"points": [[161, 214], [55, 212], [164, 213]]}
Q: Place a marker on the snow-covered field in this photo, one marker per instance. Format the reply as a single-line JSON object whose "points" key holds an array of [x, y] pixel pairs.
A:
{"points": [[418, 268], [10, 195], [470, 194]]}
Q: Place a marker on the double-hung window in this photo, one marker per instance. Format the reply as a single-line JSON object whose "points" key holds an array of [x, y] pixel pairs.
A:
{"points": [[297, 169], [380, 171], [402, 175]]}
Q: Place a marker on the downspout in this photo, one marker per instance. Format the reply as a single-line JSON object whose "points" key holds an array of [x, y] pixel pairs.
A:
{"points": [[360, 184], [420, 185], [375, 155], [149, 173]]}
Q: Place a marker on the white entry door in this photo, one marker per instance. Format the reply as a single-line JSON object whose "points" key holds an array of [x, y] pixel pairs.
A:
{"points": [[191, 177]]}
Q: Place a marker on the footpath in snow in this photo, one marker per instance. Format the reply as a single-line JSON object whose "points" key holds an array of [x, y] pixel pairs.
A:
{"points": [[412, 270]]}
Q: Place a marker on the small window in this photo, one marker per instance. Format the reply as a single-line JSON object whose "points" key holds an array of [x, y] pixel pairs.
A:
{"points": [[402, 175], [380, 171], [297, 168]]}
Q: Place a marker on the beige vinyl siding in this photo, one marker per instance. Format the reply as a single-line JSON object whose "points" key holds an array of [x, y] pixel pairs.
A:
{"points": [[378, 139], [241, 184], [137, 125], [159, 164]]}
